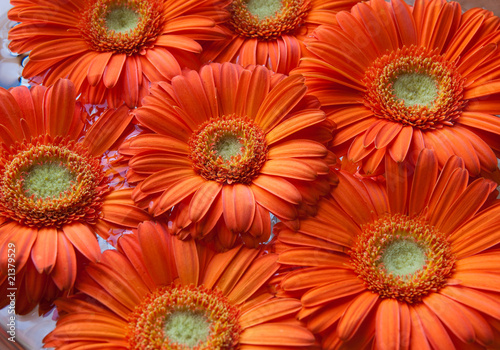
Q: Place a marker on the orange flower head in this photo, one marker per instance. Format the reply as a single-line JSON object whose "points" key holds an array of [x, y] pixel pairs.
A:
{"points": [[411, 262], [112, 50], [394, 84], [158, 292], [50, 183], [228, 149], [56, 192], [121, 26], [177, 317], [225, 147], [267, 20], [271, 32], [402, 258]]}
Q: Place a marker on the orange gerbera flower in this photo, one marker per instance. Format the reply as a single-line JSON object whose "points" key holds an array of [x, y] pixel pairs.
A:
{"points": [[408, 266], [158, 292], [54, 193], [271, 32], [112, 49], [397, 79], [230, 145]]}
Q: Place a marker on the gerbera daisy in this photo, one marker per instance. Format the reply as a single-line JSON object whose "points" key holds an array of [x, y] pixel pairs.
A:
{"points": [[408, 265], [230, 145], [158, 292], [112, 49], [54, 193], [271, 32], [397, 79]]}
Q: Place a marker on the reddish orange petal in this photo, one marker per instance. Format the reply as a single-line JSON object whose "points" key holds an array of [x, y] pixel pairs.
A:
{"points": [[355, 314], [265, 312], [313, 257], [106, 130], [397, 185], [64, 272], [387, 331], [177, 192], [424, 179], [435, 332], [294, 124], [452, 317], [281, 334], [291, 168], [123, 214], [257, 274], [60, 110], [238, 204], [258, 88], [83, 239], [58, 48], [97, 67], [279, 187], [333, 291], [22, 239], [275, 205], [481, 121], [186, 260], [418, 338], [203, 199], [44, 252], [474, 299], [114, 70], [399, 148]]}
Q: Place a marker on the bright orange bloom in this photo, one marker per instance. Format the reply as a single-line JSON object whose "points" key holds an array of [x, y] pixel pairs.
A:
{"points": [[271, 32], [158, 292], [112, 49], [397, 79], [229, 145], [54, 192], [413, 264]]}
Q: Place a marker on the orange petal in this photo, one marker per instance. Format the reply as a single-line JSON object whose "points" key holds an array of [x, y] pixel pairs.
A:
{"points": [[474, 299], [157, 142], [58, 48], [387, 331], [418, 338], [295, 123], [181, 42], [114, 70], [153, 245], [97, 67], [106, 130], [186, 260], [281, 334], [355, 314], [399, 148], [60, 110], [333, 291], [123, 214], [397, 185], [424, 178], [280, 101], [44, 251], [177, 192], [435, 332], [64, 272], [258, 273], [291, 168], [279, 187], [450, 314], [275, 205], [238, 205], [258, 88], [203, 199], [313, 257], [265, 312], [83, 239]]}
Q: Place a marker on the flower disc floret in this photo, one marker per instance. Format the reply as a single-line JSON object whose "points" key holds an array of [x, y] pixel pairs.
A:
{"points": [[50, 183], [184, 317], [413, 86], [245, 19], [121, 26], [402, 258], [228, 149]]}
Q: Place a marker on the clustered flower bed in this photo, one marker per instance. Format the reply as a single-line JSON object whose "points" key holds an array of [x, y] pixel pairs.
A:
{"points": [[176, 130]]}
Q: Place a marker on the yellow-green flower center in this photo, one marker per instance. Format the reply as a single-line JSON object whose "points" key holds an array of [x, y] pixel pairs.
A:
{"points": [[121, 26], [228, 149], [188, 328], [122, 19], [267, 19], [48, 179], [50, 182], [416, 89], [184, 317], [402, 258], [264, 8]]}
